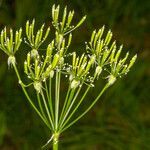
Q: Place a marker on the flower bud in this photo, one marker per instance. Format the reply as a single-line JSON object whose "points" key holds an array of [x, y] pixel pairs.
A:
{"points": [[61, 61], [37, 72], [28, 59], [47, 72], [37, 39], [74, 59], [108, 37], [55, 60], [93, 35], [118, 53], [70, 17], [49, 50], [46, 34], [91, 62], [25, 67], [69, 40], [92, 59], [81, 21], [132, 61]]}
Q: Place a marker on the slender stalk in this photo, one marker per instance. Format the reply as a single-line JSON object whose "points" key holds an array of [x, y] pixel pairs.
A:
{"points": [[40, 105], [48, 142], [57, 92], [64, 105], [28, 98], [70, 106], [67, 105], [77, 106], [69, 101], [49, 102], [56, 82], [50, 98], [70, 98], [46, 88], [47, 110], [93, 103]]}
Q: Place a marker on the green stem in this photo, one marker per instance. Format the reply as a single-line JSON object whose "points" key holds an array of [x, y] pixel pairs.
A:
{"points": [[70, 106], [47, 110], [50, 98], [28, 98], [77, 106], [69, 101], [49, 101], [72, 93], [55, 141], [57, 92], [40, 105], [64, 105], [48, 142], [93, 103]]}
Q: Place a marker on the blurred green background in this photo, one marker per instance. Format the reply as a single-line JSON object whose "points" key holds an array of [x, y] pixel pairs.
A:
{"points": [[121, 120]]}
